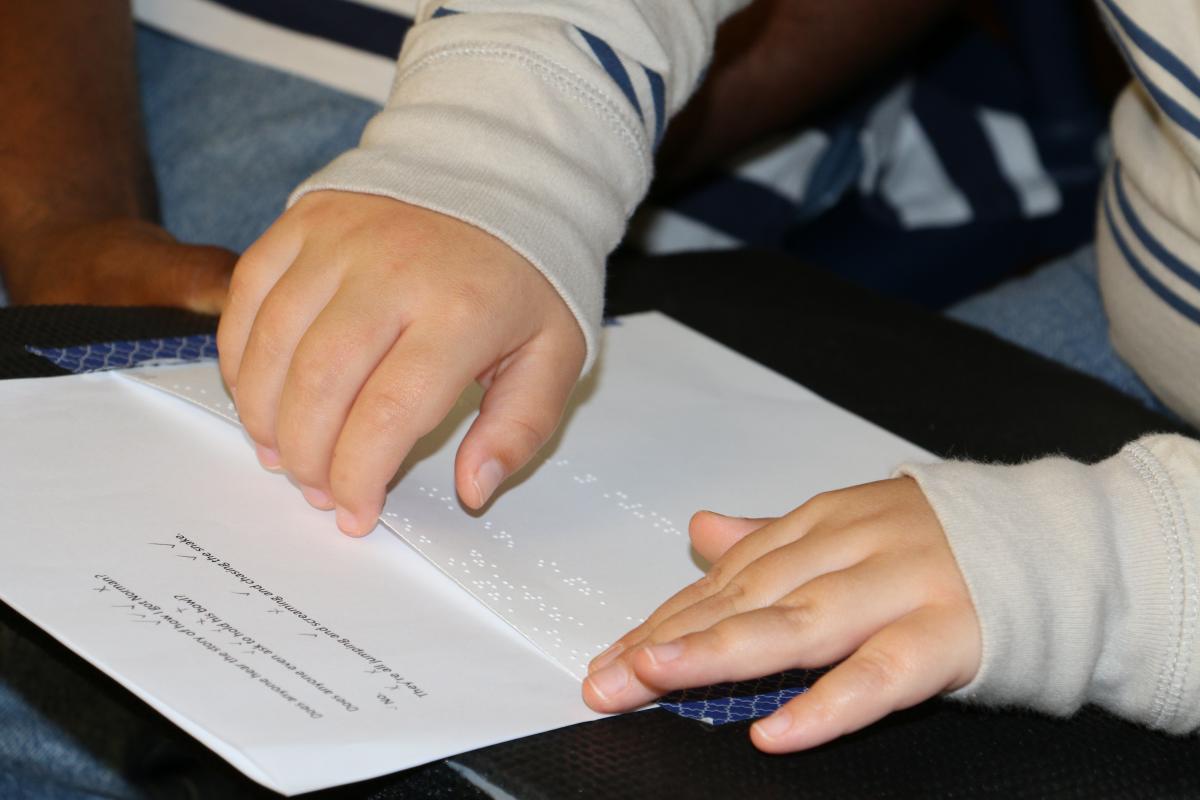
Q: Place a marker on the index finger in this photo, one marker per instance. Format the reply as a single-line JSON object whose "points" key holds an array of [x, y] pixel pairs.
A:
{"points": [[769, 537], [407, 396], [254, 275]]}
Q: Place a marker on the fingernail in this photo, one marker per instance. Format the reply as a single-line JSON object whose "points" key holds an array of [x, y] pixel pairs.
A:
{"points": [[267, 457], [487, 478], [604, 659], [664, 653], [775, 725], [316, 498], [347, 522], [610, 681]]}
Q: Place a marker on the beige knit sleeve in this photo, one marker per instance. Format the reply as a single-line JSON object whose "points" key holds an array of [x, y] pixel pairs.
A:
{"points": [[1085, 578]]}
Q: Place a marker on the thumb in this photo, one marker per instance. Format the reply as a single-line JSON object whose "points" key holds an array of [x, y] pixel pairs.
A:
{"points": [[519, 413], [712, 533]]}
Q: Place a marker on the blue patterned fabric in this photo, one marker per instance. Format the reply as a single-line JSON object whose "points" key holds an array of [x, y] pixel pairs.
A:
{"points": [[735, 702], [119, 355]]}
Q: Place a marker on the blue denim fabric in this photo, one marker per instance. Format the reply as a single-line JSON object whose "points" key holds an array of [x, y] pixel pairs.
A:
{"points": [[1057, 312], [229, 140]]}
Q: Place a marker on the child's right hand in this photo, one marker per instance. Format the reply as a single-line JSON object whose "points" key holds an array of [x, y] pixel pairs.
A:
{"points": [[354, 324]]}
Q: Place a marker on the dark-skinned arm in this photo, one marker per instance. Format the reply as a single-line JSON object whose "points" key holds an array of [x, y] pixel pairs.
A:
{"points": [[778, 61], [77, 202]]}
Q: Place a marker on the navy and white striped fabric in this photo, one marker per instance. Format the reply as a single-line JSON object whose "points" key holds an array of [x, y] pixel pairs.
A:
{"points": [[1119, 215], [931, 189], [642, 87], [1146, 231], [1142, 50]]}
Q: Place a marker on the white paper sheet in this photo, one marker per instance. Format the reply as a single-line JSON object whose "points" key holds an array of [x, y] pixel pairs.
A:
{"points": [[129, 511]]}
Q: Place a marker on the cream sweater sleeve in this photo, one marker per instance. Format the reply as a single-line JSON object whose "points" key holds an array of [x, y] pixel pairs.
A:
{"points": [[1084, 577], [535, 120]]}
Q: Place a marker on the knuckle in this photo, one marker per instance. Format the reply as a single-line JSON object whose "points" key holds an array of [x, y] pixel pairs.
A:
{"points": [[879, 670], [817, 505], [522, 438], [243, 277], [270, 340], [718, 575], [826, 715], [467, 305], [706, 584], [800, 617], [733, 597], [312, 379], [721, 641], [385, 411], [689, 596]]}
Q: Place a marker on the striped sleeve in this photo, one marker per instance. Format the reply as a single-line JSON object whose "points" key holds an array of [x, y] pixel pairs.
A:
{"points": [[535, 120], [1148, 232]]}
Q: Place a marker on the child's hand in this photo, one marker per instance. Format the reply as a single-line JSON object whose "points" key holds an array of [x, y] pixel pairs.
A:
{"points": [[863, 574], [355, 323]]}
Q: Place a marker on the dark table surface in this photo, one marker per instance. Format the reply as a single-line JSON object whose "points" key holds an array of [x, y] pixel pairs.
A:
{"points": [[954, 391]]}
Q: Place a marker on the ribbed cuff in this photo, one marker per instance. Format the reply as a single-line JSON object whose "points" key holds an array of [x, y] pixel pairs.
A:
{"points": [[1083, 578]]}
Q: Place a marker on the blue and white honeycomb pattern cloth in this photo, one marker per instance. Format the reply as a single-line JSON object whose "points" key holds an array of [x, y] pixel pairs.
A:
{"points": [[130, 353], [713, 705], [723, 703]]}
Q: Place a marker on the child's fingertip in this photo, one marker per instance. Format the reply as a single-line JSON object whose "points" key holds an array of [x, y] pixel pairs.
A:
{"points": [[316, 498], [774, 727], [354, 524], [609, 682], [267, 457]]}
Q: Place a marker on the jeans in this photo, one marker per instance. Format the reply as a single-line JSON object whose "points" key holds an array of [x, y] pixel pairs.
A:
{"points": [[1057, 312]]}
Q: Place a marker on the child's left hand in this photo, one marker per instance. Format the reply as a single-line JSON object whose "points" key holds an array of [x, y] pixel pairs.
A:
{"points": [[863, 574]]}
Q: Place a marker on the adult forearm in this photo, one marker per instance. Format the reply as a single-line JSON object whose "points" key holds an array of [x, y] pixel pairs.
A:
{"points": [[71, 148], [777, 61]]}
